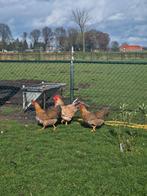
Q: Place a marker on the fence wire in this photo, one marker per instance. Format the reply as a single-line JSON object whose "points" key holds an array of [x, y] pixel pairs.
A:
{"points": [[96, 83], [15, 75], [111, 83]]}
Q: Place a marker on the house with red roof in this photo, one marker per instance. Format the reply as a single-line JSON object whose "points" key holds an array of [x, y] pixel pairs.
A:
{"points": [[130, 48]]}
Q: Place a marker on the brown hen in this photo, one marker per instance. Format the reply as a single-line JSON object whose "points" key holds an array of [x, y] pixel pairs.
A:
{"points": [[102, 113], [90, 118], [45, 118], [67, 111]]}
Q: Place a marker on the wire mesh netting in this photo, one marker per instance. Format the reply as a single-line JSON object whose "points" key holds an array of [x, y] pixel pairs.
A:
{"points": [[97, 83], [111, 83], [86, 56], [15, 75]]}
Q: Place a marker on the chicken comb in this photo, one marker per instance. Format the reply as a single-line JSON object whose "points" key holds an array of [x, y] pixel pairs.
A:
{"points": [[56, 97]]}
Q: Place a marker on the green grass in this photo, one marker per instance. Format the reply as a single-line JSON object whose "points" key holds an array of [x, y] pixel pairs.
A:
{"points": [[6, 111], [41, 71], [113, 83], [90, 56], [96, 83], [70, 161]]}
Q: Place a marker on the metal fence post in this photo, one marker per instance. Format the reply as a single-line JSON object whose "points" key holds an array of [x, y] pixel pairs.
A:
{"points": [[72, 76]]}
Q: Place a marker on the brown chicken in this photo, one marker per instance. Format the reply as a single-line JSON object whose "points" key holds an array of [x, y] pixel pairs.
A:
{"points": [[90, 118], [67, 111], [45, 118], [102, 113]]}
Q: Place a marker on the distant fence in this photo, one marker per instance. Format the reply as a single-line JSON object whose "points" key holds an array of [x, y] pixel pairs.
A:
{"points": [[35, 56], [87, 56], [98, 83]]}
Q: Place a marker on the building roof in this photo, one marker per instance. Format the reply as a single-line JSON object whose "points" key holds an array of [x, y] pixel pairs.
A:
{"points": [[131, 47]]}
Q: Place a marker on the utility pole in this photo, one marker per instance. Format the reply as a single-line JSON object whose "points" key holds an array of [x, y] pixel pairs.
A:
{"points": [[72, 76]]}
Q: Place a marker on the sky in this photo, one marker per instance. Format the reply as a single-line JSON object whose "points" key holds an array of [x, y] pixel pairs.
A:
{"points": [[123, 20]]}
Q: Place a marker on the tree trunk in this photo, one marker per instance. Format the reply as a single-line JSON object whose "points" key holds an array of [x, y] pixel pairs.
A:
{"points": [[83, 40]]}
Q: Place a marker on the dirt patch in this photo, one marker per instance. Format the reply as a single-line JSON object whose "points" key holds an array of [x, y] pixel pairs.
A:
{"points": [[84, 85], [13, 112]]}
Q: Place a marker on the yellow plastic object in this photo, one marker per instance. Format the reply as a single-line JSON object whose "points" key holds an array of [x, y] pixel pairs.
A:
{"points": [[126, 124]]}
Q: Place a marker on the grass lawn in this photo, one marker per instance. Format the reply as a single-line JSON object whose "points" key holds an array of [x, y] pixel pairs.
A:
{"points": [[96, 83], [71, 161], [112, 84]]}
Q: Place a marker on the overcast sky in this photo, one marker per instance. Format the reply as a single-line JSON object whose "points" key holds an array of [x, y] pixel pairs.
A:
{"points": [[124, 20]]}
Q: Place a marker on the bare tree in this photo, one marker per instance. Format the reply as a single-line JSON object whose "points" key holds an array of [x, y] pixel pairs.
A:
{"points": [[73, 38], [35, 34], [114, 46], [47, 34], [91, 39], [81, 17], [24, 36], [61, 37], [24, 41], [103, 40], [5, 33]]}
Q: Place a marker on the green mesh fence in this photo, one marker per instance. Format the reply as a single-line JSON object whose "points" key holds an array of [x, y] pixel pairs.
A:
{"points": [[111, 83], [14, 75], [96, 83]]}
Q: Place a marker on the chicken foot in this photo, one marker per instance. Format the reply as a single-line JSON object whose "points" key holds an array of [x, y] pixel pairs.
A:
{"points": [[54, 127], [93, 129], [62, 121]]}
